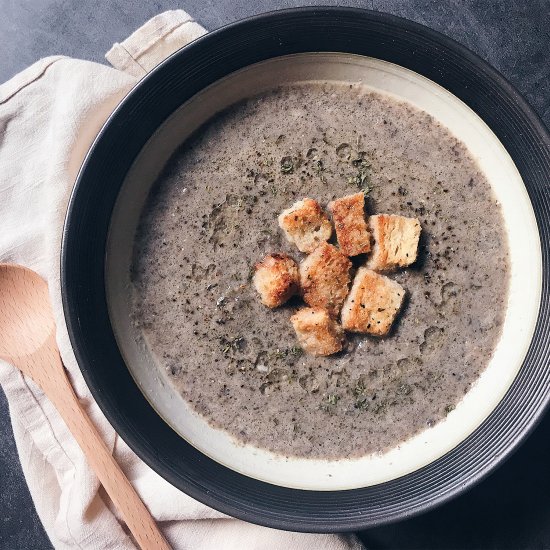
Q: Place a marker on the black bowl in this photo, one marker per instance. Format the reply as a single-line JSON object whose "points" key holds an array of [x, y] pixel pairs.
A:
{"points": [[145, 108]]}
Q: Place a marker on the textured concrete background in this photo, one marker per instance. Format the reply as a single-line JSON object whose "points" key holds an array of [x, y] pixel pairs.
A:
{"points": [[509, 510]]}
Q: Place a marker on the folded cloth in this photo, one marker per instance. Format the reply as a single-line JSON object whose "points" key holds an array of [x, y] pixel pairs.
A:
{"points": [[49, 115]]}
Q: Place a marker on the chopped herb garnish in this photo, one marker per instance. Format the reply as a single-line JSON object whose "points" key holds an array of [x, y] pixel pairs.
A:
{"points": [[359, 388], [279, 354], [362, 178], [362, 404], [328, 404], [287, 165], [295, 351], [333, 399], [449, 408]]}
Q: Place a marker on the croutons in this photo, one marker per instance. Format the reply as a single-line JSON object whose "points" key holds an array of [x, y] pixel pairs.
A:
{"points": [[305, 224], [325, 278], [348, 214], [317, 332], [276, 279], [395, 242], [372, 303]]}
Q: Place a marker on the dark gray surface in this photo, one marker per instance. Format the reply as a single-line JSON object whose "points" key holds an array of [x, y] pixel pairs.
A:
{"points": [[509, 510]]}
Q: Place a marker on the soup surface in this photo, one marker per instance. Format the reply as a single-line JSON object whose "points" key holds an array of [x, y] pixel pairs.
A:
{"points": [[212, 215]]}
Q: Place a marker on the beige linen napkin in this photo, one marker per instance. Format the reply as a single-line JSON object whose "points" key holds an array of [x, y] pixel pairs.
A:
{"points": [[49, 115]]}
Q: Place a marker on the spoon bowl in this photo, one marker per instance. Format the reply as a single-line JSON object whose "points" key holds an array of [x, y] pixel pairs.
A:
{"points": [[26, 318]]}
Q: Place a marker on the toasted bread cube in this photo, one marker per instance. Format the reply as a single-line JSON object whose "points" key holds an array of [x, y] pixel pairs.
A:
{"points": [[372, 303], [348, 214], [276, 279], [325, 278], [395, 242], [318, 333], [305, 224]]}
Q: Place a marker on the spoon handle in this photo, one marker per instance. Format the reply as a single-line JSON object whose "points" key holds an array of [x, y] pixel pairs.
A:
{"points": [[132, 509]]}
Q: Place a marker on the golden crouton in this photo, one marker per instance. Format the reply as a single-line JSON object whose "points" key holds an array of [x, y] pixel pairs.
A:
{"points": [[276, 279], [305, 225], [348, 214], [372, 303], [395, 241], [324, 278], [317, 332]]}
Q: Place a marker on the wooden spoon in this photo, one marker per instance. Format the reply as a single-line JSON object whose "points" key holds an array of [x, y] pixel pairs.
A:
{"points": [[27, 340]]}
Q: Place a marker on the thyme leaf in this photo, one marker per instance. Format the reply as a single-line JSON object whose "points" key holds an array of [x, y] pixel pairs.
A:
{"points": [[287, 165]]}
